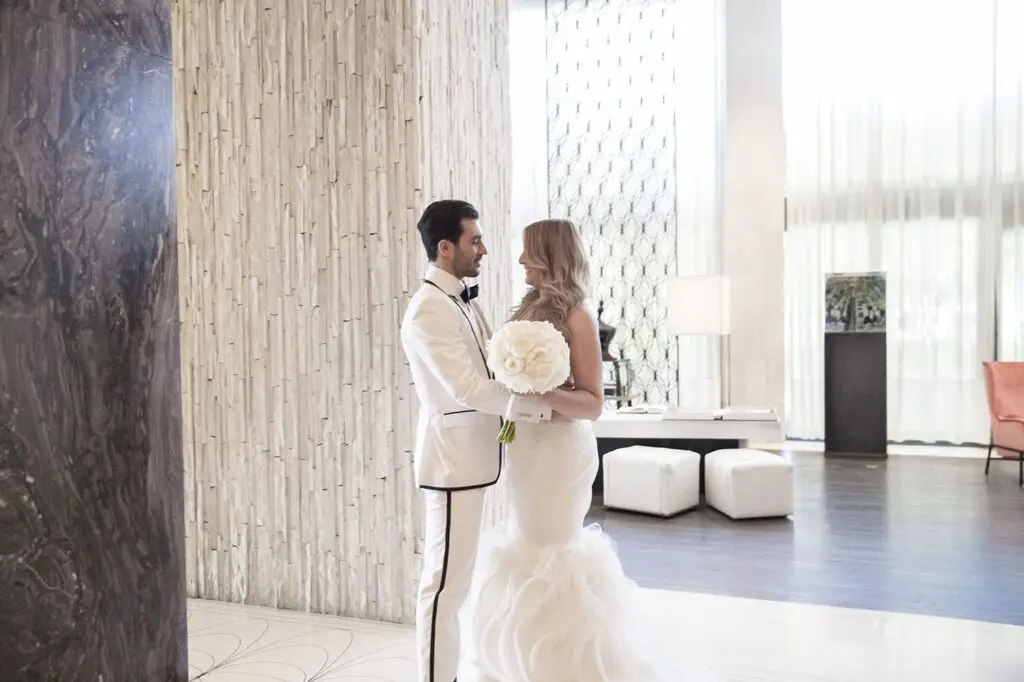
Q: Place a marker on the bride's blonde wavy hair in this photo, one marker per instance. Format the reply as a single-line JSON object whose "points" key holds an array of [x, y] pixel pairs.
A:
{"points": [[554, 249]]}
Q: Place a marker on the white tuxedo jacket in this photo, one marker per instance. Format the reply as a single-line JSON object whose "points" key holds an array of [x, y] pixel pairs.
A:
{"points": [[445, 340]]}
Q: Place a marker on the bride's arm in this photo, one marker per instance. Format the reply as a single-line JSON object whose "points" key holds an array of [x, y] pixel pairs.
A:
{"points": [[585, 400]]}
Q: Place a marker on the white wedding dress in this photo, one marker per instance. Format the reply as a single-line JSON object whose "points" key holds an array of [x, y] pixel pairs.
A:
{"points": [[550, 600]]}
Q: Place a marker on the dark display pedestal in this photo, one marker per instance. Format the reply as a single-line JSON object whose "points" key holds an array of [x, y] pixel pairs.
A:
{"points": [[856, 410]]}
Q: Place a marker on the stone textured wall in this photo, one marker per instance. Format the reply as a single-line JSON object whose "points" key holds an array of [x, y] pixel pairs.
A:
{"points": [[310, 136], [467, 128], [467, 139]]}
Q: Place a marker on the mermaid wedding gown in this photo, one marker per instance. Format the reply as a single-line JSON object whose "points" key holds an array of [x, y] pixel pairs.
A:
{"points": [[550, 602]]}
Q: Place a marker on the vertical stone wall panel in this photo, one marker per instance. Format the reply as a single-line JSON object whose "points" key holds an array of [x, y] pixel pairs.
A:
{"points": [[310, 136], [467, 145]]}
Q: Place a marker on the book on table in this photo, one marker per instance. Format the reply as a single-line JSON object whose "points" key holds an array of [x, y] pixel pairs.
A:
{"points": [[749, 414], [741, 414], [691, 414], [698, 414]]}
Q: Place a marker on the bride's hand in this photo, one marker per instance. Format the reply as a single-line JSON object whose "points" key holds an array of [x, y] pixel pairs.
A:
{"points": [[567, 386]]}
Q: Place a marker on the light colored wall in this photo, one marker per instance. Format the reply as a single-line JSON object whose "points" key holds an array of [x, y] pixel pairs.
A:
{"points": [[753, 192], [310, 136], [528, 90]]}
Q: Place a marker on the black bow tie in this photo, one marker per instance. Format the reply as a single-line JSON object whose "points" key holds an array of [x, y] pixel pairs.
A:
{"points": [[469, 293]]}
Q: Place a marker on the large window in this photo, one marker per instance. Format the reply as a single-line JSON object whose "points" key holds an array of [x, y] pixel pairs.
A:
{"points": [[903, 127]]}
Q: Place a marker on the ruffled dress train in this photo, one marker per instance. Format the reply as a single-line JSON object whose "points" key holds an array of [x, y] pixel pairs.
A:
{"points": [[550, 601]]}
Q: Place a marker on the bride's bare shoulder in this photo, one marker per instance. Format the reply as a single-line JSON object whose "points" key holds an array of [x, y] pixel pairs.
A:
{"points": [[583, 317], [586, 308]]}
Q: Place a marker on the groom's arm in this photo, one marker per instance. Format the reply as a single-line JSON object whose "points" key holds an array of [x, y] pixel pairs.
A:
{"points": [[433, 334]]}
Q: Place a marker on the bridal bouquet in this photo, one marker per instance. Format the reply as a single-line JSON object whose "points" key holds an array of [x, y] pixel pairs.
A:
{"points": [[527, 357]]}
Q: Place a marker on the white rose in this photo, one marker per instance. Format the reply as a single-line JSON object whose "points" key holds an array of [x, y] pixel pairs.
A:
{"points": [[538, 354], [540, 372], [499, 348], [529, 356], [521, 346], [513, 365]]}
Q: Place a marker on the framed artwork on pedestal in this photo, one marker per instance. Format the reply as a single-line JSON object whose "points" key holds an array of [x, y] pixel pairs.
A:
{"points": [[855, 302]]}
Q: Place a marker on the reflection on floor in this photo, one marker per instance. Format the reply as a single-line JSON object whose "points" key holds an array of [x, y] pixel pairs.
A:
{"points": [[922, 535], [703, 638], [893, 449]]}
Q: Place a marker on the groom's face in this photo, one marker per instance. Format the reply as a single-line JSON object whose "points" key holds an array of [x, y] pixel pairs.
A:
{"points": [[469, 251]]}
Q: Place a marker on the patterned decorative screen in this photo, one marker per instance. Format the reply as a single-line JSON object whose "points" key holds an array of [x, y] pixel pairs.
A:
{"points": [[611, 166]]}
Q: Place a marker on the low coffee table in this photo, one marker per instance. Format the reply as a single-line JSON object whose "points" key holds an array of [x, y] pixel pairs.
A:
{"points": [[616, 430]]}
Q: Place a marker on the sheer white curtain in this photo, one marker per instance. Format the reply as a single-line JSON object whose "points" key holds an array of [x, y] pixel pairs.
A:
{"points": [[903, 148], [1011, 291], [698, 180], [1010, 162]]}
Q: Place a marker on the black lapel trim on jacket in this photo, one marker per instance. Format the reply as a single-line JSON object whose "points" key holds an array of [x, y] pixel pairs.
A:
{"points": [[483, 355]]}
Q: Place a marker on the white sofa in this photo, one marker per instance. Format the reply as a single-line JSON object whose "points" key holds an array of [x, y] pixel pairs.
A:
{"points": [[650, 480], [748, 484]]}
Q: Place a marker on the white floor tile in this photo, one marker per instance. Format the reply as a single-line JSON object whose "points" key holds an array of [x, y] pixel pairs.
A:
{"points": [[704, 638], [229, 643]]}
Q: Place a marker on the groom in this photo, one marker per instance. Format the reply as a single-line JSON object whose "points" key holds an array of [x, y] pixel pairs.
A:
{"points": [[456, 456]]}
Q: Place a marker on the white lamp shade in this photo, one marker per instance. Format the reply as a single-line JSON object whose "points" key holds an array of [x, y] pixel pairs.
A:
{"points": [[698, 306]]}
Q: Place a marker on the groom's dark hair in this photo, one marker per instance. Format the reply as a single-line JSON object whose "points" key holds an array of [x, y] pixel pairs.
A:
{"points": [[441, 221]]}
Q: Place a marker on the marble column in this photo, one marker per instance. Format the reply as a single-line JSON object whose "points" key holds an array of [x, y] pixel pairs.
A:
{"points": [[91, 526]]}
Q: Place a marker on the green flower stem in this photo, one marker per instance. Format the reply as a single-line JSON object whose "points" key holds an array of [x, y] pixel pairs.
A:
{"points": [[507, 433]]}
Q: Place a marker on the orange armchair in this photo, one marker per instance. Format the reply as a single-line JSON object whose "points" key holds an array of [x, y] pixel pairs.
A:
{"points": [[1004, 385]]}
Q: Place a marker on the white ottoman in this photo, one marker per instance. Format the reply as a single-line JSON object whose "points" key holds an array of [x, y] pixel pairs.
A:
{"points": [[650, 480], [748, 484]]}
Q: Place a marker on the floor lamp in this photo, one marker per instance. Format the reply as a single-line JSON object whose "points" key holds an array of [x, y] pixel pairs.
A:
{"points": [[699, 306]]}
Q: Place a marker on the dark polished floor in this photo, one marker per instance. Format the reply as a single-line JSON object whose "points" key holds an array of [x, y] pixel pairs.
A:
{"points": [[911, 534]]}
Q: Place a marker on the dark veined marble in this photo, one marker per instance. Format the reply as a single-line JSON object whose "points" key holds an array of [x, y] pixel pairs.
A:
{"points": [[142, 24], [91, 510]]}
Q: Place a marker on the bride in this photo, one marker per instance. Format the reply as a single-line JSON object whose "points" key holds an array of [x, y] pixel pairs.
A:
{"points": [[551, 602]]}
